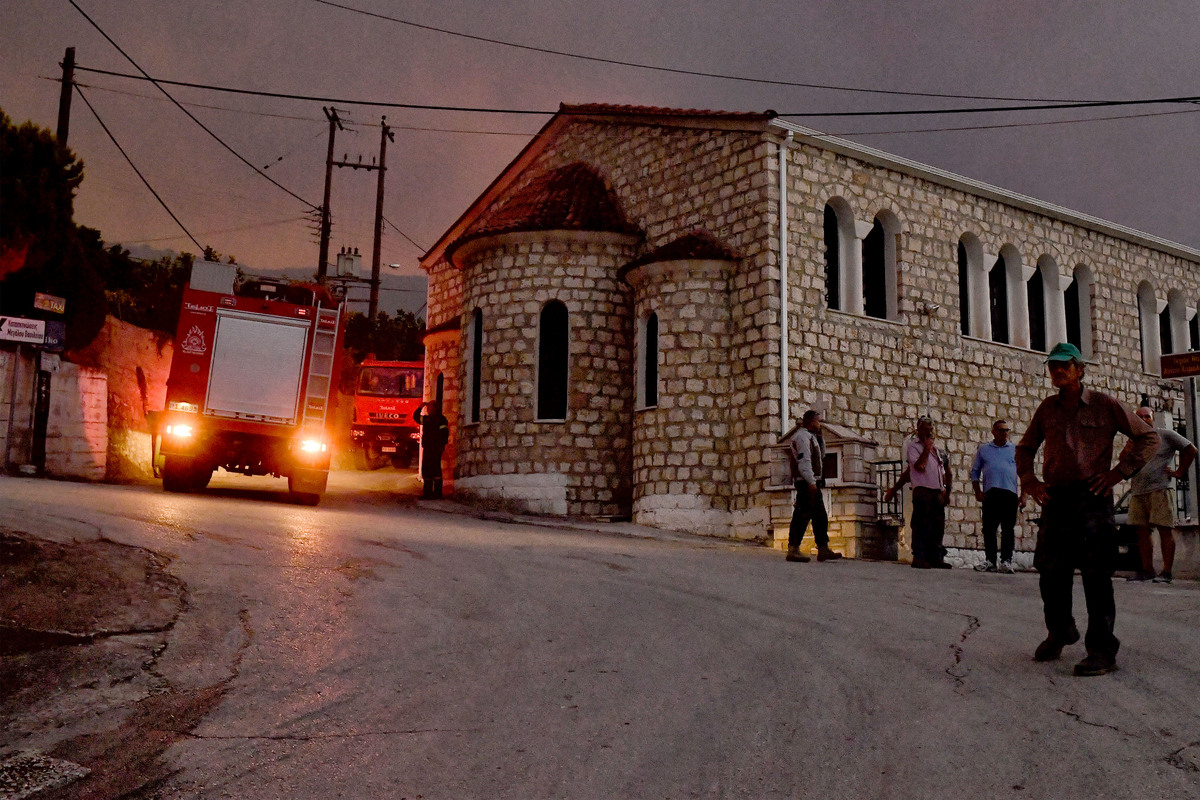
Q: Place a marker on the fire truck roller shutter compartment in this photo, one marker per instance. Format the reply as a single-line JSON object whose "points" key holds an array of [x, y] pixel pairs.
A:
{"points": [[257, 367]]}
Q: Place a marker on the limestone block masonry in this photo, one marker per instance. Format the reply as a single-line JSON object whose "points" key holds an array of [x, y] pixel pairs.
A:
{"points": [[702, 458]]}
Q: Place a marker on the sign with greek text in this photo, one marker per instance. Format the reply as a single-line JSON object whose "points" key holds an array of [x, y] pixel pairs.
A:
{"points": [[25, 331], [1181, 365]]}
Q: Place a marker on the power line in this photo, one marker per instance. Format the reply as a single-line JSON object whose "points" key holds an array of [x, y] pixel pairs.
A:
{"points": [[157, 197], [255, 226], [178, 105], [1017, 124], [673, 70], [617, 111]]}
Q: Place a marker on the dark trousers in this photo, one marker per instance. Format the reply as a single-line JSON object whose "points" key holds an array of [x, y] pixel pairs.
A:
{"points": [[810, 507], [928, 525], [1077, 531], [999, 511], [431, 473]]}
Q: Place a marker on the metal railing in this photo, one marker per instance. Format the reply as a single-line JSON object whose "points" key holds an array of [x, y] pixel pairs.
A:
{"points": [[886, 475]]}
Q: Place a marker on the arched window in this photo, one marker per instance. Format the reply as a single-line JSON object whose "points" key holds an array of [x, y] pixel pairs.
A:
{"points": [[1077, 304], [1165, 340], [964, 290], [1036, 295], [552, 367], [1176, 338], [474, 364], [998, 300], [879, 267], [833, 259], [1148, 323], [647, 362]]}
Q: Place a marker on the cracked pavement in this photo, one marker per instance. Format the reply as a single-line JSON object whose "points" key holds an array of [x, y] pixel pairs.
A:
{"points": [[374, 648]]}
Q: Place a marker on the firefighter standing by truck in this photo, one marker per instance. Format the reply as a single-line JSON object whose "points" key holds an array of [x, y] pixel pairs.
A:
{"points": [[435, 432]]}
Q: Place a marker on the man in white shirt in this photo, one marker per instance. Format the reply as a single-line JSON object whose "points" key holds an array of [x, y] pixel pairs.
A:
{"points": [[806, 455]]}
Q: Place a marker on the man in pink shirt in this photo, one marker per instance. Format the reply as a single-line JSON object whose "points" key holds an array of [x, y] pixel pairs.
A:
{"points": [[929, 474]]}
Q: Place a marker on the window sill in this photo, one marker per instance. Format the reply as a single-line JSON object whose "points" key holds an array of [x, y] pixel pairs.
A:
{"points": [[864, 317]]}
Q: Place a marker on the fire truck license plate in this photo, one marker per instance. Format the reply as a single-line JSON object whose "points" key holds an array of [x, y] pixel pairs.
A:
{"points": [[387, 449]]}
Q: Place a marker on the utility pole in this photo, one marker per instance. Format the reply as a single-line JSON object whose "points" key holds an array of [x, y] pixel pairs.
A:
{"points": [[64, 97], [335, 124], [373, 305]]}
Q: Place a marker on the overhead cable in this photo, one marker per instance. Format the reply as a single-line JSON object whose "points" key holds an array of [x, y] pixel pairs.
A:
{"points": [[157, 196], [674, 70], [618, 111], [191, 116]]}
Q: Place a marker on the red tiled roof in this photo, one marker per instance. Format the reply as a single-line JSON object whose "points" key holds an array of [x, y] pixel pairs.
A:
{"points": [[571, 198], [696, 245]]}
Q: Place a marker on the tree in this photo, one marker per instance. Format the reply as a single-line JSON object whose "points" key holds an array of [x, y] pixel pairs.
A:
{"points": [[41, 247], [396, 338]]}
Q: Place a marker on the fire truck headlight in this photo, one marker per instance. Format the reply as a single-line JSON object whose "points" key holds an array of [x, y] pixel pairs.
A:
{"points": [[180, 431], [312, 446]]}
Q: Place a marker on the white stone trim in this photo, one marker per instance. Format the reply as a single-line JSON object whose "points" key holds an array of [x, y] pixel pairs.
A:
{"points": [[539, 493]]}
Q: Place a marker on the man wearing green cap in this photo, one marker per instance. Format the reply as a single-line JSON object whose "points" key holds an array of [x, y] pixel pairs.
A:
{"points": [[1077, 426]]}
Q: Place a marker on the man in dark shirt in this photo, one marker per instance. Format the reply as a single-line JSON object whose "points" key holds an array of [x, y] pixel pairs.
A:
{"points": [[1077, 426]]}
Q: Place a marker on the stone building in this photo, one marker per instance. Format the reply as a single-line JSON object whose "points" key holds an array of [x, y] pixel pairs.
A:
{"points": [[628, 321]]}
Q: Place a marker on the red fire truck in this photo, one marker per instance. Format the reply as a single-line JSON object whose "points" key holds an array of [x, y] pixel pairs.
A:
{"points": [[253, 383], [385, 397]]}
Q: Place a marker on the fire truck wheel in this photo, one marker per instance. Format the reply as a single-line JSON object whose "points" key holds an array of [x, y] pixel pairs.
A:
{"points": [[181, 474], [302, 498]]}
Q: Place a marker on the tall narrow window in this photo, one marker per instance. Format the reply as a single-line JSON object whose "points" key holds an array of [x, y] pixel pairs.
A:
{"points": [[1165, 337], [1071, 308], [964, 290], [1194, 332], [475, 341], [648, 363], [552, 362], [874, 275], [833, 259], [998, 300], [1036, 293]]}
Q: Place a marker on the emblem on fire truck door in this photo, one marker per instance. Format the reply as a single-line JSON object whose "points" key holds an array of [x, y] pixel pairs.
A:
{"points": [[194, 343]]}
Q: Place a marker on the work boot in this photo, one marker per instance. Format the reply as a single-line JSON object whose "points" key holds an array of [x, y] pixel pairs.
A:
{"points": [[825, 554], [1096, 664], [1052, 647], [793, 554]]}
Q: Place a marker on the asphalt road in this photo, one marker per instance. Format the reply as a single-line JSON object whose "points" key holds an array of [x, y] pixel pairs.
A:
{"points": [[375, 647]]}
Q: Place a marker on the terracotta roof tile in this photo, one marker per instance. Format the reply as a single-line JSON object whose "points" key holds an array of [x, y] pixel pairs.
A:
{"points": [[572, 198], [696, 245], [602, 109]]}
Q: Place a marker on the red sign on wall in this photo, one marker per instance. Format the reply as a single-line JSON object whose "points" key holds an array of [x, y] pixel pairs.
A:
{"points": [[1181, 365]]}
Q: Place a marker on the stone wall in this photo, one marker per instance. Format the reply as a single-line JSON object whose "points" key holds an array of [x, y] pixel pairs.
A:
{"points": [[873, 376], [510, 278], [137, 362], [681, 442], [878, 375]]}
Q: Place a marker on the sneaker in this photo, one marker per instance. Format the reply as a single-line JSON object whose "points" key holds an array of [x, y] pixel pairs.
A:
{"points": [[985, 566], [1163, 578], [1006, 567], [1141, 576], [1096, 664], [827, 555], [1051, 648]]}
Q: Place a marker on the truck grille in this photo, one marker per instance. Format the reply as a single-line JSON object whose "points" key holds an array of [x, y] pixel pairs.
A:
{"points": [[386, 417]]}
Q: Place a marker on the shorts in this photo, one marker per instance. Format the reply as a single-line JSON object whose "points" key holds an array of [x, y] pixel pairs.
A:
{"points": [[1154, 508]]}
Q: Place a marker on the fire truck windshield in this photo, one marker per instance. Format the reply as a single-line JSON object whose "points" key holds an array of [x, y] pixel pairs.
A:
{"points": [[391, 382]]}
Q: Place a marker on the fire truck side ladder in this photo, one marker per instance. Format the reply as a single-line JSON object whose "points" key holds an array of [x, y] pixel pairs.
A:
{"points": [[320, 372]]}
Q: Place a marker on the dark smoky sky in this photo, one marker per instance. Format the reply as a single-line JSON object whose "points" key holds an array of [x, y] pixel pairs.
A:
{"points": [[1139, 170]]}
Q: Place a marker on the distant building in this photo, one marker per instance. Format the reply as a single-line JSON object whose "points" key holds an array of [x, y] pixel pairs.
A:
{"points": [[605, 326]]}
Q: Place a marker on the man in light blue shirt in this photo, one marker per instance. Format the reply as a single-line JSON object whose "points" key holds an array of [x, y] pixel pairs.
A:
{"points": [[995, 466]]}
